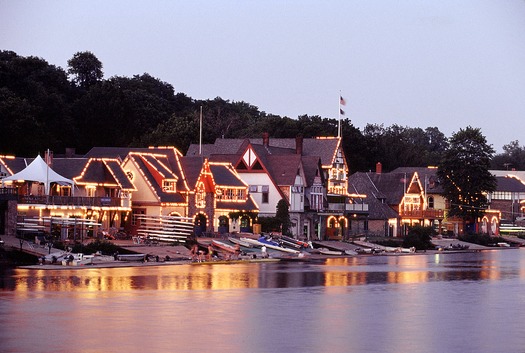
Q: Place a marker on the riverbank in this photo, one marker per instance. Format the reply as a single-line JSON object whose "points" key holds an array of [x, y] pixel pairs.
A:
{"points": [[169, 255]]}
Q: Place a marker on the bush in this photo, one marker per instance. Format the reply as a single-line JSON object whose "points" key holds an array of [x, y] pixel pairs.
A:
{"points": [[419, 237], [394, 243], [269, 224], [105, 247], [482, 239]]}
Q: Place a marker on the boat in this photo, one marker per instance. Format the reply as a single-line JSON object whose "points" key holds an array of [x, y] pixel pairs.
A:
{"points": [[457, 246], [241, 242], [131, 257], [325, 251], [253, 242], [225, 247], [295, 242], [240, 261], [262, 241]]}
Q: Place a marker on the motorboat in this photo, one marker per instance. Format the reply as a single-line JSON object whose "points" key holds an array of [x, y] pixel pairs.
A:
{"points": [[295, 243]]}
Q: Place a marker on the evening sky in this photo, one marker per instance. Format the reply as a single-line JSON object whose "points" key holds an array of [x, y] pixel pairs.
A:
{"points": [[445, 63]]}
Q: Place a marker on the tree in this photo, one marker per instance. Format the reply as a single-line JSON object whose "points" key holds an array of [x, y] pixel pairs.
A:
{"points": [[34, 105], [513, 157], [283, 215], [464, 172], [85, 68], [121, 111], [419, 237]]}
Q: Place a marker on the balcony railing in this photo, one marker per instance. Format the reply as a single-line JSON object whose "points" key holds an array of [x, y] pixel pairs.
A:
{"points": [[82, 201], [423, 214], [8, 194], [350, 207]]}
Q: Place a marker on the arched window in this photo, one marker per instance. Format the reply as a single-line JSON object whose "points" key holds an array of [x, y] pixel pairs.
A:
{"points": [[200, 196], [430, 202]]}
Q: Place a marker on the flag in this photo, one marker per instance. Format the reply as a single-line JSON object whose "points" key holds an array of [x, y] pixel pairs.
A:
{"points": [[342, 100], [341, 111]]}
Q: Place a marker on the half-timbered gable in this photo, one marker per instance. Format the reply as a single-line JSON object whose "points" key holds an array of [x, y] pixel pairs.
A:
{"points": [[304, 172], [162, 190], [219, 200]]}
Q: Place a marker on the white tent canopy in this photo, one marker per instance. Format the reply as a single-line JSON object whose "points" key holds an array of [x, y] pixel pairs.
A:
{"points": [[39, 171]]}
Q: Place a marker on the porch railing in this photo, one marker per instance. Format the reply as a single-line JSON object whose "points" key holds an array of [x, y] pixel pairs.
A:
{"points": [[74, 201], [423, 213], [350, 207]]}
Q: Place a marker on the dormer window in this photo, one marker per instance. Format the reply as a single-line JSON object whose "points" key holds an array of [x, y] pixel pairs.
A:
{"points": [[169, 185]]}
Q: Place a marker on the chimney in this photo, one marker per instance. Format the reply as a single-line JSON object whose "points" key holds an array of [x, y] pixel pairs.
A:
{"points": [[70, 152], [379, 168], [266, 139], [299, 144]]}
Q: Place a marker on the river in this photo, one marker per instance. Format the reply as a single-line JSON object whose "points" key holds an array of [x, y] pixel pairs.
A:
{"points": [[464, 302]]}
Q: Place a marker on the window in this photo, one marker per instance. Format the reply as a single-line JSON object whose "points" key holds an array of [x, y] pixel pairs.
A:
{"points": [[253, 188], [430, 202], [168, 185], [200, 196], [91, 191], [265, 198]]}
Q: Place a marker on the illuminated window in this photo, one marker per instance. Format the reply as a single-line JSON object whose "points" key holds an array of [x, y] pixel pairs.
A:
{"points": [[430, 202], [91, 191], [200, 196], [169, 185]]}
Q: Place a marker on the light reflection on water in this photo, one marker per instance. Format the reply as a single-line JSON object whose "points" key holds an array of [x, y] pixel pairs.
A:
{"points": [[414, 303]]}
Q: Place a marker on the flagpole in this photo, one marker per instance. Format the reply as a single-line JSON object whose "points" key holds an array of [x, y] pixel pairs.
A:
{"points": [[341, 112], [200, 134], [339, 120]]}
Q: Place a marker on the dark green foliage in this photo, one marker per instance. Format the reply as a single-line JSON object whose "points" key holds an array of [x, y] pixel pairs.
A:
{"points": [[465, 176], [283, 215], [35, 98], [482, 239], [41, 109], [269, 224], [397, 146], [85, 68], [392, 242], [105, 247], [419, 237], [513, 157]]}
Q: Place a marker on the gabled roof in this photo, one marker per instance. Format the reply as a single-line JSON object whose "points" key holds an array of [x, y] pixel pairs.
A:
{"points": [[311, 166], [225, 175], [363, 183], [14, 164], [112, 152], [221, 146], [147, 164], [426, 174], [322, 147], [249, 205], [284, 168], [106, 172], [391, 185], [192, 167], [509, 184], [70, 167]]}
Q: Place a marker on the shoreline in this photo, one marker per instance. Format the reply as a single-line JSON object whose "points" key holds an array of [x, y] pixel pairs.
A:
{"points": [[179, 262]]}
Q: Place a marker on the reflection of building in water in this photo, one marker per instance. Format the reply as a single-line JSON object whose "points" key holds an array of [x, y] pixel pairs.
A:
{"points": [[343, 275], [138, 278], [412, 269]]}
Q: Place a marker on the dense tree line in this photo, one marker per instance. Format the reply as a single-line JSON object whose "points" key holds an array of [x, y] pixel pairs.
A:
{"points": [[44, 106]]}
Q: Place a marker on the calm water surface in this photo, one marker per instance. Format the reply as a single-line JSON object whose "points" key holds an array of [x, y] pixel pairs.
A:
{"points": [[472, 302]]}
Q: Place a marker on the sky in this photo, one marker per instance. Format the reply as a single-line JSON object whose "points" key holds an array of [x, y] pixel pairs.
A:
{"points": [[447, 64]]}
